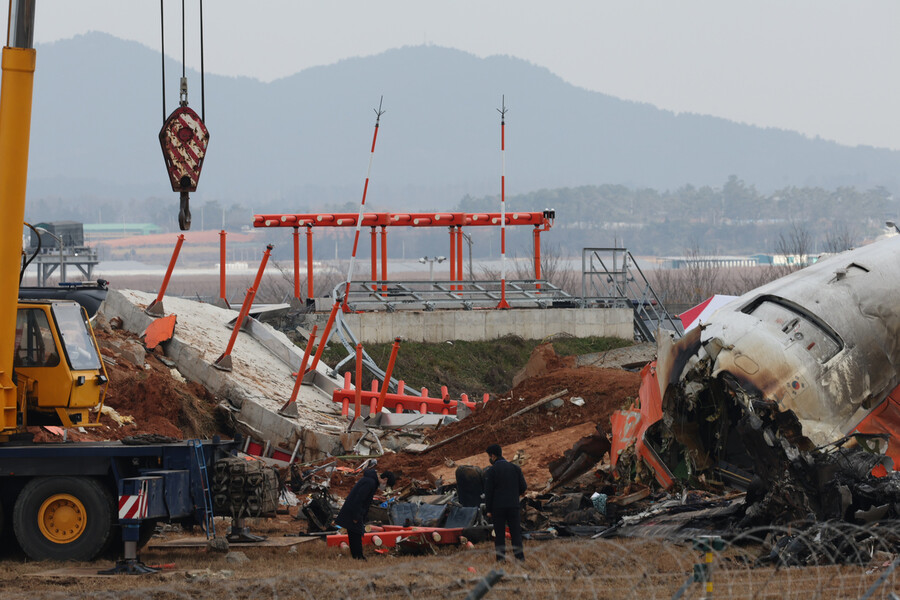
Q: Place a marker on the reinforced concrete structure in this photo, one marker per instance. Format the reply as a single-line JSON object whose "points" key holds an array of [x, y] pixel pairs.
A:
{"points": [[476, 325]]}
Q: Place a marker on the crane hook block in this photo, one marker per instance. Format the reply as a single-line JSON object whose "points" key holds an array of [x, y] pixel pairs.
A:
{"points": [[184, 138]]}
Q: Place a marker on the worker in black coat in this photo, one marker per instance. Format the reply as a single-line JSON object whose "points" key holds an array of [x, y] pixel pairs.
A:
{"points": [[504, 484], [353, 513]]}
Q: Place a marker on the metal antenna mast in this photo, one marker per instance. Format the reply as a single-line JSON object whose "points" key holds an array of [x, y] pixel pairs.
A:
{"points": [[362, 205], [502, 111]]}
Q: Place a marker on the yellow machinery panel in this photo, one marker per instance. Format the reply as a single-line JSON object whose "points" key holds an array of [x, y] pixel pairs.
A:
{"points": [[59, 371]]}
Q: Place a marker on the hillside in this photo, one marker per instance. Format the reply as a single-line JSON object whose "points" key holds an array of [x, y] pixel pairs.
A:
{"points": [[303, 141]]}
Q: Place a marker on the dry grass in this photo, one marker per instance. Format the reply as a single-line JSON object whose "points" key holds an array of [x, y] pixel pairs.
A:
{"points": [[564, 568]]}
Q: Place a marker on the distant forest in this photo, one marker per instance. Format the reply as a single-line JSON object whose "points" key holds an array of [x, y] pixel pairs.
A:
{"points": [[732, 219]]}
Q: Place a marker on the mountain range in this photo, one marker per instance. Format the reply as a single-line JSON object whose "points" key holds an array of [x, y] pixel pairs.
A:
{"points": [[304, 141]]}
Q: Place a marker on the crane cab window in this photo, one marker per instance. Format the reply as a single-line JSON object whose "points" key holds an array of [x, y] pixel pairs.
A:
{"points": [[76, 337], [35, 346]]}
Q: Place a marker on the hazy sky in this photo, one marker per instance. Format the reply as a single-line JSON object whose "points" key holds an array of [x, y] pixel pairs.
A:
{"points": [[822, 67]]}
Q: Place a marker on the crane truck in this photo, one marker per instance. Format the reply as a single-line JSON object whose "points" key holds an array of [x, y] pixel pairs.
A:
{"points": [[77, 500]]}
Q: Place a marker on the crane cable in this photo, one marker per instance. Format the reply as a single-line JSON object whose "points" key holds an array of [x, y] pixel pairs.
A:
{"points": [[162, 32], [27, 261], [202, 78]]}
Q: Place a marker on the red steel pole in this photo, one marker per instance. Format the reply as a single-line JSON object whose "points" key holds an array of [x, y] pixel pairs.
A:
{"points": [[302, 371], [387, 376], [155, 308], [459, 257], [384, 258], [224, 361], [165, 284], [334, 308], [222, 293], [537, 256], [345, 404], [362, 206], [374, 259], [297, 263], [452, 258], [357, 403], [309, 263]]}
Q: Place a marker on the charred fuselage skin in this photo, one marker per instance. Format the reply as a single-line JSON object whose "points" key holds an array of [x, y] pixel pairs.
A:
{"points": [[804, 358]]}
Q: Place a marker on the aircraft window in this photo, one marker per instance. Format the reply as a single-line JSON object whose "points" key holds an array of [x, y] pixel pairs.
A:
{"points": [[797, 328]]}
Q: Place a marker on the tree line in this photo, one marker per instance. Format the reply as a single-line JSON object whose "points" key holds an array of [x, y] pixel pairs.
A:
{"points": [[734, 218]]}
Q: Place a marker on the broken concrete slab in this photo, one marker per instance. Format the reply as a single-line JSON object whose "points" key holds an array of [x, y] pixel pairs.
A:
{"points": [[128, 350], [275, 341], [268, 312], [629, 357], [416, 448], [259, 385], [411, 420]]}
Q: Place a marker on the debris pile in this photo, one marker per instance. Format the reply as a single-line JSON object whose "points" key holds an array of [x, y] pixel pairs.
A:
{"points": [[559, 423]]}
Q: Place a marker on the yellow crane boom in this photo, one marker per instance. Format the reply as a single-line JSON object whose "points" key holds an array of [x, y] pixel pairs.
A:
{"points": [[18, 63]]}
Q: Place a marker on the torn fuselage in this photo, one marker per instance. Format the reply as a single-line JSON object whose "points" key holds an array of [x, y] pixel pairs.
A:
{"points": [[787, 368]]}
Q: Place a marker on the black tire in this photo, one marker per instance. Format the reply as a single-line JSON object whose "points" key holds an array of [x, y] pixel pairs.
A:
{"points": [[63, 518]]}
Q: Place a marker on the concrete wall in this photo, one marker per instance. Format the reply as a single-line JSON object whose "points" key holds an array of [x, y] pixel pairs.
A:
{"points": [[475, 325]]}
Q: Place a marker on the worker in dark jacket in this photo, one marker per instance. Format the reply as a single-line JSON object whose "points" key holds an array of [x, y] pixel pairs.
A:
{"points": [[352, 516], [504, 484]]}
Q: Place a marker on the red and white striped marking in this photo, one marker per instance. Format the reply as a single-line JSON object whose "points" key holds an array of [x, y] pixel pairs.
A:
{"points": [[362, 205], [503, 303], [134, 506], [184, 140]]}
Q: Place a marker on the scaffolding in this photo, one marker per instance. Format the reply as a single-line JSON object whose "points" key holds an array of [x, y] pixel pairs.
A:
{"points": [[610, 277], [454, 222], [390, 296]]}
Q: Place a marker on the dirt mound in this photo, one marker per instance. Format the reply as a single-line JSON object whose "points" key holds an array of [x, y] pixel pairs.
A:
{"points": [[543, 360], [603, 391], [157, 398], [160, 403]]}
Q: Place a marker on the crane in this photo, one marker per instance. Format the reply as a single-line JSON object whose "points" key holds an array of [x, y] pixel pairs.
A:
{"points": [[63, 497]]}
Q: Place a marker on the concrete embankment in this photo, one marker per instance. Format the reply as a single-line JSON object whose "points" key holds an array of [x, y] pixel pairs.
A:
{"points": [[260, 382]]}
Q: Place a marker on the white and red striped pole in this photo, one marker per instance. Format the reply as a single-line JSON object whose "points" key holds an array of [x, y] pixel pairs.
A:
{"points": [[362, 205], [502, 111]]}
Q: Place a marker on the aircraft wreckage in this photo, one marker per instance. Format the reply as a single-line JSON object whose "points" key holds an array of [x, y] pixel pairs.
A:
{"points": [[790, 391]]}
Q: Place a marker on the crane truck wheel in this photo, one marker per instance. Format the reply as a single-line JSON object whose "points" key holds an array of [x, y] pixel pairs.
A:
{"points": [[63, 518]]}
